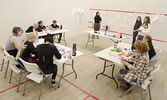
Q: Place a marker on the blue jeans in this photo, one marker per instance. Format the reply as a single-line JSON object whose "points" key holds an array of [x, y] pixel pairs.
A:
{"points": [[134, 37]]}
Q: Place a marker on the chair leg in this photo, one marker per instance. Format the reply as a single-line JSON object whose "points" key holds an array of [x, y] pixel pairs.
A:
{"points": [[149, 92], [141, 90], [2, 64], [18, 85], [41, 89], [127, 91], [25, 85], [6, 69], [11, 73]]}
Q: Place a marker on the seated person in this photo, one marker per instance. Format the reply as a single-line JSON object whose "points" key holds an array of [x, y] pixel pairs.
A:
{"points": [[54, 26], [32, 28], [41, 27], [151, 52], [12, 45], [137, 70], [45, 53], [27, 49]]}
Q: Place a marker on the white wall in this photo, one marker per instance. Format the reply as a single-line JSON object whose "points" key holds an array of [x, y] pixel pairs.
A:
{"points": [[153, 6], [24, 13]]}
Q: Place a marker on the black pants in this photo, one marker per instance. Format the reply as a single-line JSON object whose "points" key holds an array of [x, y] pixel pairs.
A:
{"points": [[134, 37], [51, 69], [60, 35], [13, 52]]}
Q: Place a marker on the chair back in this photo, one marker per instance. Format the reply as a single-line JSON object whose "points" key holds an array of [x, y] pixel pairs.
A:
{"points": [[30, 67], [154, 60], [153, 71], [1, 49], [12, 59], [159, 52]]}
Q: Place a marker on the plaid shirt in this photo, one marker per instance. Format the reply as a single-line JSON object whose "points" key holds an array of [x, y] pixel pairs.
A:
{"points": [[138, 70]]}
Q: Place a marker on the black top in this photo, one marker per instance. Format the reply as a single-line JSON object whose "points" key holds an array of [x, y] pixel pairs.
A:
{"points": [[55, 26], [45, 53], [151, 52], [30, 29], [40, 28], [29, 48], [137, 25], [97, 19]]}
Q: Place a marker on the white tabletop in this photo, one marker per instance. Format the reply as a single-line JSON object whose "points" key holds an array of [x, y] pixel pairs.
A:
{"points": [[107, 35], [113, 56], [51, 32], [64, 52]]}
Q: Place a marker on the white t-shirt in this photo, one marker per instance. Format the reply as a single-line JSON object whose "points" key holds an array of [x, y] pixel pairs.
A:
{"points": [[145, 29]]}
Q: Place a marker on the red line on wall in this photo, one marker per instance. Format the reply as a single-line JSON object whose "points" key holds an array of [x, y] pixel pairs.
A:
{"points": [[130, 35], [125, 11]]}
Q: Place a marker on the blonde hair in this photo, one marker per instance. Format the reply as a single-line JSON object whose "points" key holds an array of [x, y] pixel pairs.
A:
{"points": [[29, 36], [142, 46]]}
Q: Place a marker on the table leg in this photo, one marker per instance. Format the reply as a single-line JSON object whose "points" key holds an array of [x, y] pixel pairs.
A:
{"points": [[89, 37], [103, 70], [61, 76], [64, 38], [111, 77], [74, 69]]}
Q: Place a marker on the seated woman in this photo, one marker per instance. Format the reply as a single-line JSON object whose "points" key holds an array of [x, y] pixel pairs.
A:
{"points": [[12, 45], [137, 70], [45, 53], [54, 26], [32, 28], [27, 49], [151, 52], [41, 27]]}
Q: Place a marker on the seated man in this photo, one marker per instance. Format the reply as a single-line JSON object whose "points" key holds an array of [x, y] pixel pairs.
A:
{"points": [[54, 26], [45, 53], [137, 70]]}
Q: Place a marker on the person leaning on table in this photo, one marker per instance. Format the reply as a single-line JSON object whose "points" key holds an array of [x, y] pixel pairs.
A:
{"points": [[138, 70], [45, 53]]}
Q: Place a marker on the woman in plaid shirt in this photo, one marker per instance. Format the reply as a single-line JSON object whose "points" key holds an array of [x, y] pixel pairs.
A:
{"points": [[138, 70]]}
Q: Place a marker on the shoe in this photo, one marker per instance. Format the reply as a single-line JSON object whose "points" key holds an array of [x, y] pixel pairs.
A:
{"points": [[53, 83]]}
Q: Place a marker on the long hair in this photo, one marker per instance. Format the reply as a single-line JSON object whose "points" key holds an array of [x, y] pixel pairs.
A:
{"points": [[139, 21], [21, 49], [148, 20]]}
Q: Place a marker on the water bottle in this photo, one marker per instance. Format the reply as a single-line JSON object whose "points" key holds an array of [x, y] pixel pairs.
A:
{"points": [[74, 49], [61, 27]]}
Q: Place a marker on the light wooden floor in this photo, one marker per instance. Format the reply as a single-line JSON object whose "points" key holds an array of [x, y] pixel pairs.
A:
{"points": [[87, 67]]}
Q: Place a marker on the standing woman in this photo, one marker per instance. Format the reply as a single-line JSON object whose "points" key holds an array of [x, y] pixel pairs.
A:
{"points": [[136, 27], [12, 45], [144, 29], [97, 20]]}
